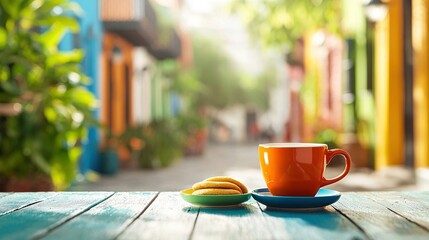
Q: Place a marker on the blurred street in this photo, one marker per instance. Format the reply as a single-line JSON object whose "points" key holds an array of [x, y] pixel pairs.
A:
{"points": [[239, 161]]}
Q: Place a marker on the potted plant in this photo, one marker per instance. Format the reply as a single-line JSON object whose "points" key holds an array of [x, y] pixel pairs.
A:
{"points": [[155, 144], [193, 126], [109, 164], [43, 140]]}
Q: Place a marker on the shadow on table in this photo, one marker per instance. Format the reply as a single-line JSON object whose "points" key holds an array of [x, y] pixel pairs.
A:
{"points": [[230, 211], [316, 221]]}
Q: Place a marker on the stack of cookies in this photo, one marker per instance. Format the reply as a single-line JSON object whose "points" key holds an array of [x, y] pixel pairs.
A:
{"points": [[220, 185]]}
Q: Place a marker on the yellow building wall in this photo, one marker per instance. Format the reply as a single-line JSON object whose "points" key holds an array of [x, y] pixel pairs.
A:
{"points": [[420, 32], [389, 129]]}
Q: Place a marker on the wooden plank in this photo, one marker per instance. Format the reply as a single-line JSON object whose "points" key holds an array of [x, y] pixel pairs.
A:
{"points": [[243, 222], [422, 196], [375, 220], [4, 194], [106, 220], [324, 223], [413, 206], [13, 202], [255, 221], [38, 219], [168, 217]]}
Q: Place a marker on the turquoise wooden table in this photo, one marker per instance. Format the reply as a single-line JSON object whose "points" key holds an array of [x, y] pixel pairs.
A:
{"points": [[164, 215]]}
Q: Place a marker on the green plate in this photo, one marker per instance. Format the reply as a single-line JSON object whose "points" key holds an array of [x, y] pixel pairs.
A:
{"points": [[214, 200]]}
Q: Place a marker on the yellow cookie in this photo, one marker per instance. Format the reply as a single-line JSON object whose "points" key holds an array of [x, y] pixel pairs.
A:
{"points": [[215, 191], [221, 185], [229, 179]]}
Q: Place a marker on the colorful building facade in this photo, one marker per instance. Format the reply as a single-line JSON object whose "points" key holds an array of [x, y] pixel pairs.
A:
{"points": [[121, 47], [133, 91], [420, 40], [89, 40], [401, 67], [382, 87]]}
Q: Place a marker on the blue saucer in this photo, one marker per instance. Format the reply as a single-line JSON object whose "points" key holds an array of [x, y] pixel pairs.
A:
{"points": [[324, 197]]}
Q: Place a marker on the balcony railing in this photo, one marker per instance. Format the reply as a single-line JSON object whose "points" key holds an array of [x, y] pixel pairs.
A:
{"points": [[134, 20], [170, 48]]}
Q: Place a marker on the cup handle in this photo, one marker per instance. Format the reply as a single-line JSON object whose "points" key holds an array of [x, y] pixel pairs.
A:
{"points": [[329, 155]]}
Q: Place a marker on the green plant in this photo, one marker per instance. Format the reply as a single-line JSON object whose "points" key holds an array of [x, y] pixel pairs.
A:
{"points": [[190, 122], [44, 138], [111, 141], [280, 22], [155, 144], [327, 136]]}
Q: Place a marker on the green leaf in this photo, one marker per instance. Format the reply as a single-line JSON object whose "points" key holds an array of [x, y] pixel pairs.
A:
{"points": [[74, 154], [64, 167], [12, 129], [61, 21], [59, 173], [35, 76], [83, 97], [52, 37], [3, 37], [50, 114], [72, 137], [60, 58], [41, 162], [10, 7], [10, 87], [4, 73]]}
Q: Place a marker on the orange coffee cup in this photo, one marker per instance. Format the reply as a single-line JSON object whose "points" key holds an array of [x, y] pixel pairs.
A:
{"points": [[296, 169]]}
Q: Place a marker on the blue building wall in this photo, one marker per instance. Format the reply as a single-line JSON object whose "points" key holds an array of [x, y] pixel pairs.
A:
{"points": [[89, 39]]}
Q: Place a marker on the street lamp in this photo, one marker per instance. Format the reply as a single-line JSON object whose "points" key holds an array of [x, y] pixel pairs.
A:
{"points": [[375, 10]]}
